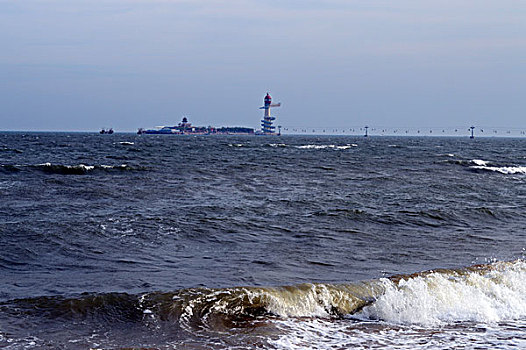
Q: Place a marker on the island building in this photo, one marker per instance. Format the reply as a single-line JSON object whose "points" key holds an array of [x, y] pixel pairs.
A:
{"points": [[186, 128]]}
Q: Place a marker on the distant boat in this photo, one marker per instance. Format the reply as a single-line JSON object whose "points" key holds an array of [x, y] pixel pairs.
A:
{"points": [[103, 131]]}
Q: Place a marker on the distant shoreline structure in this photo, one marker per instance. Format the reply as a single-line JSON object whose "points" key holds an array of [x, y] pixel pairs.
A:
{"points": [[268, 128], [266, 123], [186, 128]]}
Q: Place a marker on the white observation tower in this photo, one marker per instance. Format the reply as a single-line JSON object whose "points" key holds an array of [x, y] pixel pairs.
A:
{"points": [[266, 122]]}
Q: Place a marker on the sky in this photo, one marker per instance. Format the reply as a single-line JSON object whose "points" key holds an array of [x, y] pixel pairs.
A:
{"points": [[83, 65]]}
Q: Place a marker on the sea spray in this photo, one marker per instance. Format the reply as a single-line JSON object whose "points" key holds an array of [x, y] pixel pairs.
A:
{"points": [[493, 293]]}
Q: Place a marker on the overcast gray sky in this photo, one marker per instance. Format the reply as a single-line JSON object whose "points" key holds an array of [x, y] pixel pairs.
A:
{"points": [[88, 64]]}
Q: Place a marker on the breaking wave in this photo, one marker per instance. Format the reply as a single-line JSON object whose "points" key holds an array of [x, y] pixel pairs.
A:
{"points": [[80, 169], [508, 170], [484, 165], [483, 293], [479, 162], [334, 147], [488, 166]]}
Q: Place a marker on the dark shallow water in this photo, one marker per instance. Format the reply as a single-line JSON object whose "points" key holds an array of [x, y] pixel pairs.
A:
{"points": [[112, 241]]}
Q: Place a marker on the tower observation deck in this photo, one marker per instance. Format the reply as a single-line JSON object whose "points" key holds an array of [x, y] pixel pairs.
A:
{"points": [[266, 123]]}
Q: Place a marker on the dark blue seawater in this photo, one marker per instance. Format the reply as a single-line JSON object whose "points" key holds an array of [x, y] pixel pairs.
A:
{"points": [[212, 242]]}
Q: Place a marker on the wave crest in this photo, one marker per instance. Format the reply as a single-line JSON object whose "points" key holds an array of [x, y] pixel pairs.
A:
{"points": [[485, 293], [507, 170], [61, 169], [484, 165], [334, 147]]}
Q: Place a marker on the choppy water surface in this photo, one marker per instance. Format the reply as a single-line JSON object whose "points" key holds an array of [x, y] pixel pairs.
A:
{"points": [[126, 241]]}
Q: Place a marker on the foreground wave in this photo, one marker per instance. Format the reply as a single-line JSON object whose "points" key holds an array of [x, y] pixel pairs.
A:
{"points": [[483, 293]]}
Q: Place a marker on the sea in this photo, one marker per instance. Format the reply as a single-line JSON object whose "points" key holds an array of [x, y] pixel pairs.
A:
{"points": [[129, 241]]}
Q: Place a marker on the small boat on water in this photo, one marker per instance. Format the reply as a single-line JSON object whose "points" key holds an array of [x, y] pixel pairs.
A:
{"points": [[104, 131]]}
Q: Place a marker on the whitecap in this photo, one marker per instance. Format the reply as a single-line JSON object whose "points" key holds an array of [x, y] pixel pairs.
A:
{"points": [[503, 170], [437, 298], [84, 167], [122, 166], [479, 162], [336, 147]]}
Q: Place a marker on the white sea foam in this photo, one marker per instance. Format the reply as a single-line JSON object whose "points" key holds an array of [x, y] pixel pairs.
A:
{"points": [[122, 166], [437, 298], [351, 334], [479, 162], [494, 293], [509, 170], [80, 166], [127, 143], [336, 147], [476, 308], [76, 169], [85, 167]]}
